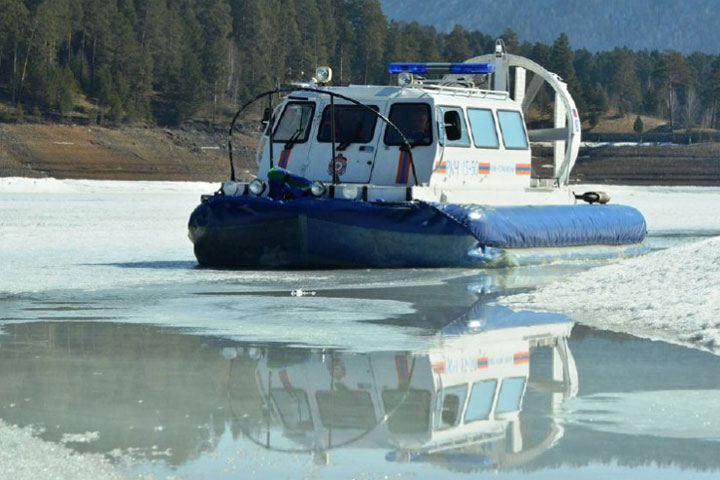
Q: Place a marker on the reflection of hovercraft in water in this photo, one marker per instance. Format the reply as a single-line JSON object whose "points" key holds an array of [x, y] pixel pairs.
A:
{"points": [[457, 403]]}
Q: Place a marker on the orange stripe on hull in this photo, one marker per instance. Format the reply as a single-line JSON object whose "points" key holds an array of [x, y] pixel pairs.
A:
{"points": [[522, 168], [521, 357]]}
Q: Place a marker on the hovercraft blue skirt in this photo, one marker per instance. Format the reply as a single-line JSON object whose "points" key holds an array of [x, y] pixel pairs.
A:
{"points": [[258, 232]]}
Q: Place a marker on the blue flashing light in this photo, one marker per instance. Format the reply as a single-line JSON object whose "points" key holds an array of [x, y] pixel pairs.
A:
{"points": [[442, 68], [472, 68], [417, 68]]}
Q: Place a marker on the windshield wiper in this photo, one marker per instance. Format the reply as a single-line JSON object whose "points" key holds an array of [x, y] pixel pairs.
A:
{"points": [[351, 140], [293, 139], [343, 145]]}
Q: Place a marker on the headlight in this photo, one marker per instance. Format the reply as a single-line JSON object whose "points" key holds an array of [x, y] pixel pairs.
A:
{"points": [[350, 192], [404, 79], [257, 187], [230, 188], [323, 74], [317, 189]]}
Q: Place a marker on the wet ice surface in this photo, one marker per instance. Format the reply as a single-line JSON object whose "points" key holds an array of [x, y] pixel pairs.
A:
{"points": [[120, 358], [670, 294]]}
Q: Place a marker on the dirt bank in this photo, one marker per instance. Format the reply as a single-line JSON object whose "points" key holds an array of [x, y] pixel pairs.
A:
{"points": [[127, 153], [641, 164], [199, 153], [651, 164]]}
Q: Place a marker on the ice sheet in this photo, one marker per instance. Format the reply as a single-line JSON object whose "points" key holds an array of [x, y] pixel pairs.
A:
{"points": [[670, 295], [83, 236]]}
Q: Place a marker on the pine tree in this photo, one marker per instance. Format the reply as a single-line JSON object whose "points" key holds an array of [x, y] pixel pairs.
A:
{"points": [[638, 126], [457, 48], [13, 26], [368, 23], [713, 93], [561, 63], [216, 24], [625, 87], [671, 75], [511, 41]]}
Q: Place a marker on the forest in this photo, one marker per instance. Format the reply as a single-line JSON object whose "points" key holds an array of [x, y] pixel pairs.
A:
{"points": [[166, 61]]}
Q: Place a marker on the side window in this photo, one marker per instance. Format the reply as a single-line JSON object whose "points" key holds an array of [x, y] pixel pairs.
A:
{"points": [[295, 122], [413, 120], [482, 124], [510, 395], [451, 407], [481, 400], [455, 130], [513, 130], [353, 124]]}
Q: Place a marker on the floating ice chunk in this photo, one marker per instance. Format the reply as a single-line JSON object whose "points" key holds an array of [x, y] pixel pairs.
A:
{"points": [[86, 437], [302, 293]]}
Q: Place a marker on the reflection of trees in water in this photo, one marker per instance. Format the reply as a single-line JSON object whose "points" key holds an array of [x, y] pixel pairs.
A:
{"points": [[630, 451], [139, 386], [582, 332]]}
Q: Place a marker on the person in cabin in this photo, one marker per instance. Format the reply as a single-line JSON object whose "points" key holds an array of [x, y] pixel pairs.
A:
{"points": [[419, 126]]}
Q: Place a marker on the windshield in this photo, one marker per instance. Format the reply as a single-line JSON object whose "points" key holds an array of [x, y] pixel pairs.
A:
{"points": [[294, 123], [292, 405], [413, 120], [353, 124], [409, 410], [346, 409]]}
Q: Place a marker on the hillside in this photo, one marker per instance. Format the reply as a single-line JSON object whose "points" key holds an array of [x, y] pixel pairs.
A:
{"points": [[128, 153], [686, 26]]}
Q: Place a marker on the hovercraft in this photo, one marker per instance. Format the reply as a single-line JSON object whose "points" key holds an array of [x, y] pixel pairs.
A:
{"points": [[426, 173]]}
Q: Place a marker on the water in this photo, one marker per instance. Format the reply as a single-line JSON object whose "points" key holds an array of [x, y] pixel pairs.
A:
{"points": [[120, 358], [449, 389]]}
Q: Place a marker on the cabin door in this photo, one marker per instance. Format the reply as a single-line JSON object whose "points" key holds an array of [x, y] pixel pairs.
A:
{"points": [[357, 133]]}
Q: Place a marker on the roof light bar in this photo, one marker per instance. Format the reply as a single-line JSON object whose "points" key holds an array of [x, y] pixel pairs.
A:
{"points": [[452, 68]]}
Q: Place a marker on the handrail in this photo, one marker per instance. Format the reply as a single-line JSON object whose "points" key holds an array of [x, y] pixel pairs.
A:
{"points": [[464, 90]]}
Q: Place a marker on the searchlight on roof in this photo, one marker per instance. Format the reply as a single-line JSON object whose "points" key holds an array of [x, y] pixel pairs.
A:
{"points": [[442, 68]]}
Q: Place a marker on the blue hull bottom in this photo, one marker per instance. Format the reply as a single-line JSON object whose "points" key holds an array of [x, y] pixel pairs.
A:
{"points": [[308, 233]]}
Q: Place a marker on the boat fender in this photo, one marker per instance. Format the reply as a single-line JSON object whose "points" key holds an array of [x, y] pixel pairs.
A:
{"points": [[593, 197]]}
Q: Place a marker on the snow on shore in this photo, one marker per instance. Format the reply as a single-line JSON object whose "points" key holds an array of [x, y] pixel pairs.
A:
{"points": [[53, 185], [671, 295]]}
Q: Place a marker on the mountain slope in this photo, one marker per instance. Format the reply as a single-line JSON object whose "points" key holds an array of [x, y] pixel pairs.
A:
{"points": [[687, 25]]}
